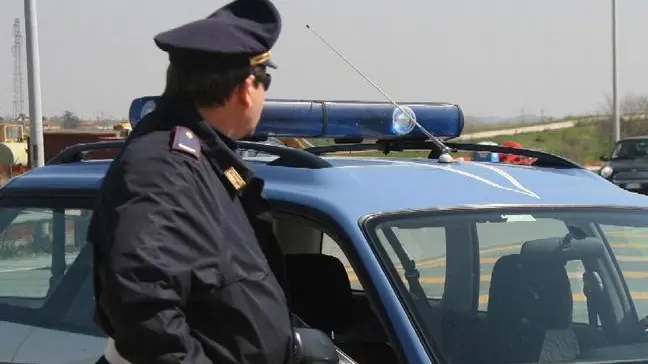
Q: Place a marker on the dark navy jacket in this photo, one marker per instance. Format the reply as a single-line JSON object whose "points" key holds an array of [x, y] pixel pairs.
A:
{"points": [[182, 246]]}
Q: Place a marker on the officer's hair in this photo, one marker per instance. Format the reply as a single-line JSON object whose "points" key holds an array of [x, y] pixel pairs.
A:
{"points": [[205, 88]]}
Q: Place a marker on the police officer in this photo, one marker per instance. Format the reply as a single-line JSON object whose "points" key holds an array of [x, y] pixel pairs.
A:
{"points": [[186, 267]]}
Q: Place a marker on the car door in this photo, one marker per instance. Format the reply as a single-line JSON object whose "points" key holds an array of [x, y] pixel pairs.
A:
{"points": [[65, 332], [52, 346], [73, 338], [312, 240], [11, 337]]}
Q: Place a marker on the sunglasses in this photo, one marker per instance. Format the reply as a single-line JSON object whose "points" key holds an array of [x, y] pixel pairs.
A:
{"points": [[265, 79]]}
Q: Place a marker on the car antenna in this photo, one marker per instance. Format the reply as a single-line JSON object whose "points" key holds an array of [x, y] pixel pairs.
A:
{"points": [[445, 156]]}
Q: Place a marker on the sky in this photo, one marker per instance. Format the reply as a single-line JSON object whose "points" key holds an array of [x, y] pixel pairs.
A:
{"points": [[492, 57]]}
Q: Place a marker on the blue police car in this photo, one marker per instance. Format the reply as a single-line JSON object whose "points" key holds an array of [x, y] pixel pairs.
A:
{"points": [[429, 260], [485, 156]]}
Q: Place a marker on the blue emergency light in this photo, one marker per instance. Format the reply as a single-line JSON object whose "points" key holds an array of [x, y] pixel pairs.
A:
{"points": [[486, 156], [343, 119]]}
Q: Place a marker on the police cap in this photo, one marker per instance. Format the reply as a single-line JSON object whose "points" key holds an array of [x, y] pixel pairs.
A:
{"points": [[238, 35]]}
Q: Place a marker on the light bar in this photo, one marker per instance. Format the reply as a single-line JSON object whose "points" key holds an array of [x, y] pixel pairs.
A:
{"points": [[140, 107], [343, 119]]}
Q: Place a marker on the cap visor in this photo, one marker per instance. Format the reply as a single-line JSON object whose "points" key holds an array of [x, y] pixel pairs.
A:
{"points": [[271, 64]]}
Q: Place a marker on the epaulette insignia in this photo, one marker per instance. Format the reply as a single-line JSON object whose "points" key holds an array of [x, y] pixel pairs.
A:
{"points": [[186, 141], [235, 178]]}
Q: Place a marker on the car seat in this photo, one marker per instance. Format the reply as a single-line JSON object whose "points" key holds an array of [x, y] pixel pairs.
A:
{"points": [[321, 295], [530, 311], [320, 291]]}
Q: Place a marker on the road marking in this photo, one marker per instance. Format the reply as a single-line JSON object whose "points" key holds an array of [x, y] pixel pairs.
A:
{"points": [[578, 297], [487, 277], [441, 261], [23, 269]]}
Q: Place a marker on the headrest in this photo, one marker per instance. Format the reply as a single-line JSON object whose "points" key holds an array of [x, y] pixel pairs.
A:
{"points": [[536, 291], [556, 249], [320, 290], [505, 296], [550, 303]]}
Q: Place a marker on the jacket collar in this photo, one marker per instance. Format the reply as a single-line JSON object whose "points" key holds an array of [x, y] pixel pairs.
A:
{"points": [[215, 146]]}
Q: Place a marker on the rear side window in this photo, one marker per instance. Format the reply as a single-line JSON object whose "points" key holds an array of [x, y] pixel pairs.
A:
{"points": [[427, 247], [630, 247], [39, 249], [330, 247]]}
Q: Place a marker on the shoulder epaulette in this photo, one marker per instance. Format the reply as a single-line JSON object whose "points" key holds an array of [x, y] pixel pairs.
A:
{"points": [[186, 141]]}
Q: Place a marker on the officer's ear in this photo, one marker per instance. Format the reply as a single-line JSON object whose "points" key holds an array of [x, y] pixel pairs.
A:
{"points": [[245, 92]]}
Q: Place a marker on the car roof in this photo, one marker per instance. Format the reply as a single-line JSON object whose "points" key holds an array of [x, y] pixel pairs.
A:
{"points": [[358, 186], [86, 175], [355, 186], [638, 137]]}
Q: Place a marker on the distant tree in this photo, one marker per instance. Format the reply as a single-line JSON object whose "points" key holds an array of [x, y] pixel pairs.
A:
{"points": [[634, 104], [70, 120], [629, 104], [633, 110]]}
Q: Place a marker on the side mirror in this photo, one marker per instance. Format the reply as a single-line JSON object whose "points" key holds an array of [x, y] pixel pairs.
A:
{"points": [[314, 347], [604, 158]]}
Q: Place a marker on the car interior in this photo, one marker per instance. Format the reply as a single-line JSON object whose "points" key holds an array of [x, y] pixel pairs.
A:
{"points": [[323, 295], [529, 313]]}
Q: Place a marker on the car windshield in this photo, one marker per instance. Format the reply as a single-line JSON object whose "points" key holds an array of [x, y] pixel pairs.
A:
{"points": [[631, 149], [521, 285]]}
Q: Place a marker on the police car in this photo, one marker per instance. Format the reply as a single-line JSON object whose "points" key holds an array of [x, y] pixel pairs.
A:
{"points": [[429, 260], [486, 156]]}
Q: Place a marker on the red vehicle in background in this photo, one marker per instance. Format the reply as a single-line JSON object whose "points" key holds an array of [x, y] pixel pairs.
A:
{"points": [[512, 158]]}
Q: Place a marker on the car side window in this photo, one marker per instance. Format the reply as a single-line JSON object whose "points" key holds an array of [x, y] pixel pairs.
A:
{"points": [[38, 247], [322, 301], [630, 247], [330, 247], [427, 247]]}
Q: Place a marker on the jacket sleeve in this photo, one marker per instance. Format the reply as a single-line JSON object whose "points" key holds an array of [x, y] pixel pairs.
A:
{"points": [[158, 233], [259, 214]]}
